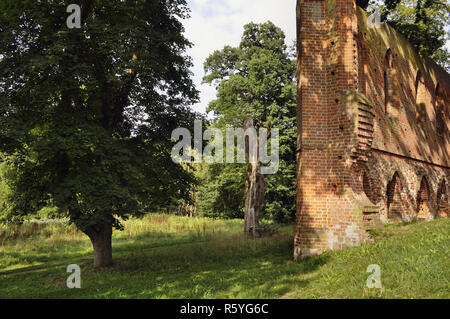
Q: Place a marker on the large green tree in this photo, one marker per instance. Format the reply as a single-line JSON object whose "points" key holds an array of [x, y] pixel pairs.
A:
{"points": [[86, 114], [256, 81]]}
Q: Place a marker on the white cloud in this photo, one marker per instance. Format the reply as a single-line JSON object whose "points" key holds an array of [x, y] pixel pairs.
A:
{"points": [[216, 23]]}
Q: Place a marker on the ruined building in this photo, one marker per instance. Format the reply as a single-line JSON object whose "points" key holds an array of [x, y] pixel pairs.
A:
{"points": [[374, 122]]}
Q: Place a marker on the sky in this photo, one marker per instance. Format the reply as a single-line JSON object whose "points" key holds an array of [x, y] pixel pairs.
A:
{"points": [[216, 23]]}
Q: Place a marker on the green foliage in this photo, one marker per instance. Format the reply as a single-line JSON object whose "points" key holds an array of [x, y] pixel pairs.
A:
{"points": [[86, 114], [254, 81], [423, 23], [4, 188], [221, 190]]}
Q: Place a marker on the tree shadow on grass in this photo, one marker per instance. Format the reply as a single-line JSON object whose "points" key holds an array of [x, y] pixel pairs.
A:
{"points": [[120, 245], [226, 267], [198, 271]]}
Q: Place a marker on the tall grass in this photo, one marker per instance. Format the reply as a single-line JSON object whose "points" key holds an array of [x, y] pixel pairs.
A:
{"points": [[38, 230], [157, 223], [60, 230]]}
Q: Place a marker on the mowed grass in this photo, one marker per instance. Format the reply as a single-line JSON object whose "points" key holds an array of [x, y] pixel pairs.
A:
{"points": [[175, 257]]}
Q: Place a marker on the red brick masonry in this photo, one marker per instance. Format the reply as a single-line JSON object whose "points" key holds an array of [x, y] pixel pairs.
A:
{"points": [[374, 129]]}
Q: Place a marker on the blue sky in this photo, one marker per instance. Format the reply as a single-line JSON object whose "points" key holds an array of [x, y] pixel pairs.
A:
{"points": [[216, 23]]}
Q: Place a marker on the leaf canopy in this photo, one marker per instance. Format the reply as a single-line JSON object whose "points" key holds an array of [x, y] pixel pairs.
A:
{"points": [[86, 113]]}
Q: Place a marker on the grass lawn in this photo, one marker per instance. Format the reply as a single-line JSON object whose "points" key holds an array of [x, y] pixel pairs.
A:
{"points": [[175, 257]]}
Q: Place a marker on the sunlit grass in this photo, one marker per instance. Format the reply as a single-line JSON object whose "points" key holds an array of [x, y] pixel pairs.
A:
{"points": [[164, 256]]}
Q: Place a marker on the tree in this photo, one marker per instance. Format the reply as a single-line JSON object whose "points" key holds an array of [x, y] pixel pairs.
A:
{"points": [[86, 114], [4, 189], [221, 190], [256, 87], [422, 22]]}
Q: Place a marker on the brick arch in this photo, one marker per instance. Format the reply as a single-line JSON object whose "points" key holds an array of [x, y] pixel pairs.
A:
{"points": [[439, 104], [395, 207], [438, 94], [388, 81], [419, 86], [423, 199], [368, 187], [365, 179], [442, 200], [388, 59]]}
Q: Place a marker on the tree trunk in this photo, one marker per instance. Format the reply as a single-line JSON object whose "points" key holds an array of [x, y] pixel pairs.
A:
{"points": [[254, 194], [254, 190], [101, 241]]}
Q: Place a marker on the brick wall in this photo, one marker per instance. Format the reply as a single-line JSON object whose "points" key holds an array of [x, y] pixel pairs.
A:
{"points": [[374, 121]]}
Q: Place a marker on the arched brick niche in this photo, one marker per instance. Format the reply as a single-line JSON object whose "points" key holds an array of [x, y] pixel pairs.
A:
{"points": [[362, 196], [368, 188], [394, 198], [442, 200], [420, 89], [388, 81], [439, 104], [363, 66], [421, 100], [423, 200]]}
